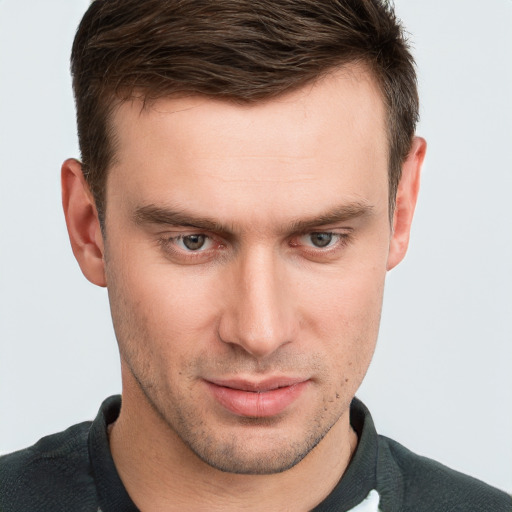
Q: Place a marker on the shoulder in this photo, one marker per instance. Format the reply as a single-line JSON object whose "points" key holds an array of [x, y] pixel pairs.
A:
{"points": [[59, 462], [410, 482]]}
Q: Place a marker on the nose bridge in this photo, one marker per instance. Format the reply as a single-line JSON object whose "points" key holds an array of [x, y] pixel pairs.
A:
{"points": [[259, 318]]}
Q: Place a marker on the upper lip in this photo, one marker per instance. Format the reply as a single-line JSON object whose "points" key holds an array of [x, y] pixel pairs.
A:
{"points": [[258, 386]]}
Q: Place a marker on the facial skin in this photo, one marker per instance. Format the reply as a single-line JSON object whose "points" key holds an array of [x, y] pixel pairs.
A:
{"points": [[246, 248]]}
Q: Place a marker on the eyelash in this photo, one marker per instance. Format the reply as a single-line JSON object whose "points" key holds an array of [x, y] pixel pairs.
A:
{"points": [[169, 245], [340, 237]]}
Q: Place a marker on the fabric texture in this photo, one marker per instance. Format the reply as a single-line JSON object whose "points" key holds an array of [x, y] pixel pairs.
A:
{"points": [[74, 471]]}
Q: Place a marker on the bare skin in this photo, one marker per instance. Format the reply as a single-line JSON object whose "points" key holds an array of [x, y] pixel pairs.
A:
{"points": [[245, 256]]}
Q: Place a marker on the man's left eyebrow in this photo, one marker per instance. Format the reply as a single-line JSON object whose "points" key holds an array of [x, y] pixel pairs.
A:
{"points": [[342, 213]]}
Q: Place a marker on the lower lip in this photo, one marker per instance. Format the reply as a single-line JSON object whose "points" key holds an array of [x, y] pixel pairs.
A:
{"points": [[257, 405]]}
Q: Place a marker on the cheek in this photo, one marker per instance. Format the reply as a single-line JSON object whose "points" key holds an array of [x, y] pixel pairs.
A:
{"points": [[343, 314], [345, 299], [157, 313]]}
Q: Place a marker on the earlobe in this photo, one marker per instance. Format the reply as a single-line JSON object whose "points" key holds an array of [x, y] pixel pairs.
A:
{"points": [[82, 222], [406, 197]]}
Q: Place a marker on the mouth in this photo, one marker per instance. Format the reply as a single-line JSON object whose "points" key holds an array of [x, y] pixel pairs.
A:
{"points": [[257, 399]]}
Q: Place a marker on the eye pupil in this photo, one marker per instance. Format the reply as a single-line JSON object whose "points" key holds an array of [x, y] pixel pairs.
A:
{"points": [[321, 239], [194, 242]]}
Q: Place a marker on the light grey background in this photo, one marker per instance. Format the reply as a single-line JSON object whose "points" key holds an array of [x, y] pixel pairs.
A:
{"points": [[441, 380]]}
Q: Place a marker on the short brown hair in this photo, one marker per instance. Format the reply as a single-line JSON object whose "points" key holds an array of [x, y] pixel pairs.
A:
{"points": [[238, 50]]}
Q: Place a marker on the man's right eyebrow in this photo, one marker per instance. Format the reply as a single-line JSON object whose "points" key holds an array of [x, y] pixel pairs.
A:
{"points": [[152, 214]]}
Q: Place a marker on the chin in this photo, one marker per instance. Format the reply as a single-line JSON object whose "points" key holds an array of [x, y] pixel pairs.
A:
{"points": [[238, 461], [264, 454]]}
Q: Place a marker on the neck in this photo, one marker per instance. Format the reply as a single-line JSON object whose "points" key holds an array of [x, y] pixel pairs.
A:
{"points": [[161, 473]]}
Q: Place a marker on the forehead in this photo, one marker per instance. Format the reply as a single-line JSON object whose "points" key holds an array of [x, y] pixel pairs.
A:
{"points": [[328, 137]]}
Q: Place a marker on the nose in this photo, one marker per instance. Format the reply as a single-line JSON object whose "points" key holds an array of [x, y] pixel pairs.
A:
{"points": [[259, 315]]}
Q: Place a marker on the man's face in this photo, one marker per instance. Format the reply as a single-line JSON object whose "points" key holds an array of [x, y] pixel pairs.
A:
{"points": [[246, 250]]}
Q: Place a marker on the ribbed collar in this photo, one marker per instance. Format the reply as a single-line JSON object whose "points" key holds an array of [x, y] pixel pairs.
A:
{"points": [[112, 496], [360, 477]]}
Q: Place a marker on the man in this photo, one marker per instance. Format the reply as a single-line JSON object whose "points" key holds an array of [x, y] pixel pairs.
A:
{"points": [[249, 174]]}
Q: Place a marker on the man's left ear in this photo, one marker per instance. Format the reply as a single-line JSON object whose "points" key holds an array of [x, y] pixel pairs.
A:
{"points": [[406, 197]]}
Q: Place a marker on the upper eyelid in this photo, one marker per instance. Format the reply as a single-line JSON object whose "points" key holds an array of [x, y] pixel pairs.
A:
{"points": [[200, 255], [181, 237], [168, 237], [176, 232], [191, 230], [166, 242], [341, 236], [342, 232]]}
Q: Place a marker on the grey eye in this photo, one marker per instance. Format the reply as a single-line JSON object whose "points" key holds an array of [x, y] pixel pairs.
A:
{"points": [[321, 239], [194, 242]]}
